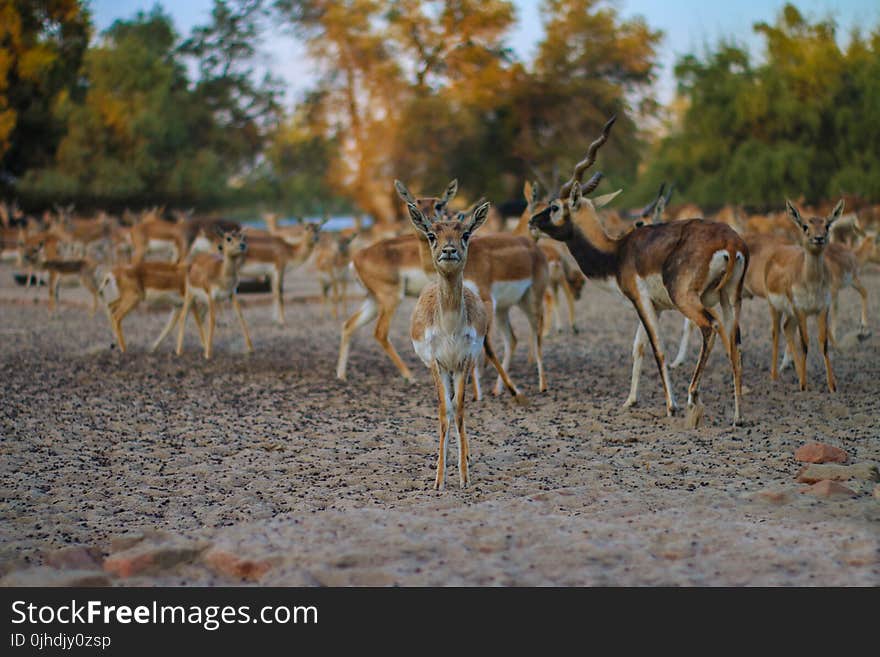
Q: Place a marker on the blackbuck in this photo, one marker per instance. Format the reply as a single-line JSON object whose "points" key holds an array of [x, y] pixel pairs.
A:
{"points": [[449, 325], [152, 232], [798, 284], [506, 271], [153, 282], [689, 265], [562, 275], [81, 268], [213, 277], [270, 255], [332, 258]]}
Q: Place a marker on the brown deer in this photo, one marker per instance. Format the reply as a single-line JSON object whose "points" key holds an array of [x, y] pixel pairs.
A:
{"points": [[82, 268], [506, 270], [449, 325], [269, 255], [689, 265], [798, 284], [155, 282], [211, 278], [332, 257]]}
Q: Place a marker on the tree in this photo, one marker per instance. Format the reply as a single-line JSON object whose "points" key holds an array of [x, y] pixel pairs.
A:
{"points": [[42, 43]]}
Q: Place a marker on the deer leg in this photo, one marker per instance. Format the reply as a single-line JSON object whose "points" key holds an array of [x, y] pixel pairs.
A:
{"points": [[774, 350], [789, 327], [444, 394], [244, 327], [87, 280], [730, 311], [364, 315], [381, 334], [805, 342], [212, 318], [823, 342], [122, 306], [649, 317], [343, 284], [683, 344], [172, 319], [502, 320], [477, 373], [277, 278], [499, 367], [638, 353], [187, 301], [460, 380], [864, 331], [569, 297], [532, 306]]}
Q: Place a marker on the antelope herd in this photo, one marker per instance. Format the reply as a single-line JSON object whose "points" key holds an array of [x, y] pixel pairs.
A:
{"points": [[793, 261]]}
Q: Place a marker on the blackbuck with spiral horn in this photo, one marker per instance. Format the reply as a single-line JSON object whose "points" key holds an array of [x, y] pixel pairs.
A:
{"points": [[690, 265]]}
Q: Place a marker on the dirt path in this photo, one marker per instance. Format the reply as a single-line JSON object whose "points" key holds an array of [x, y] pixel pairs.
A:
{"points": [[314, 481]]}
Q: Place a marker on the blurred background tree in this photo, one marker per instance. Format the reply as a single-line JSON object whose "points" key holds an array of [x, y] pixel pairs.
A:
{"points": [[422, 90]]}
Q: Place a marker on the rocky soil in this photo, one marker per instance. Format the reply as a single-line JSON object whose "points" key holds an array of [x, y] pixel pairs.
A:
{"points": [[144, 469]]}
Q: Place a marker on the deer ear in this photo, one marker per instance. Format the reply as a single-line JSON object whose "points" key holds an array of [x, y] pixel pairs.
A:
{"points": [[835, 213], [451, 190], [479, 217], [418, 219], [793, 213], [527, 191], [403, 192], [605, 199]]}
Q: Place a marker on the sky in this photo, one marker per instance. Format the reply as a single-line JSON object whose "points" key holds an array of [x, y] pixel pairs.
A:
{"points": [[688, 26]]}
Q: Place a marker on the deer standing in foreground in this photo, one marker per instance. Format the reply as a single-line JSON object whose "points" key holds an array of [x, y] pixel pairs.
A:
{"points": [[506, 270], [211, 278], [449, 325], [690, 266], [798, 284]]}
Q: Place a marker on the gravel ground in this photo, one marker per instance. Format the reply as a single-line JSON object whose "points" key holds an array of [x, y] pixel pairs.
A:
{"points": [[271, 458]]}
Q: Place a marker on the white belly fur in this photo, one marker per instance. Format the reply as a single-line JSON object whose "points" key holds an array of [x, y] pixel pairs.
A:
{"points": [[202, 245], [218, 294], [414, 281], [162, 297], [449, 350], [509, 293], [256, 268], [653, 287]]}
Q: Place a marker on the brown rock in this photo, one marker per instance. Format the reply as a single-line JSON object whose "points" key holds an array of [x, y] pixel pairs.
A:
{"points": [[46, 576], [232, 565], [126, 541], [773, 495], [151, 557], [820, 453], [814, 472], [78, 557], [828, 488]]}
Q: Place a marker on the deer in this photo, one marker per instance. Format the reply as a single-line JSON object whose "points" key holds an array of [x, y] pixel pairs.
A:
{"points": [[561, 275], [82, 268], [798, 284], [687, 265], [332, 258], [214, 277], [269, 255], [449, 325], [153, 232], [390, 269], [158, 282], [507, 270]]}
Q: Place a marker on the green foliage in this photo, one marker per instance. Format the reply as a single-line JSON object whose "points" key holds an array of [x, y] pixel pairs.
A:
{"points": [[800, 123]]}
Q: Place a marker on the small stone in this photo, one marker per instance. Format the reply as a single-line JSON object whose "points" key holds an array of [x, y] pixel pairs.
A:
{"points": [[46, 576], [233, 565], [126, 541], [773, 495], [828, 488], [820, 453], [150, 557], [77, 557], [814, 472]]}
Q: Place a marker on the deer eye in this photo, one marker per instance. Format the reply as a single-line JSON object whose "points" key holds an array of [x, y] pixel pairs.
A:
{"points": [[805, 228], [465, 236], [431, 237]]}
